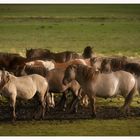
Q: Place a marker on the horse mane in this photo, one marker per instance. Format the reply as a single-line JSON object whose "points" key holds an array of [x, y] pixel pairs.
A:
{"points": [[88, 72]]}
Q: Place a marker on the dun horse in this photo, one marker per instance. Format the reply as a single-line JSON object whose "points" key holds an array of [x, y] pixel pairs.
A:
{"points": [[24, 87], [102, 85]]}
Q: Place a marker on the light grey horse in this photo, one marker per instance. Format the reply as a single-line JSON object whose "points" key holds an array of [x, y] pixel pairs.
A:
{"points": [[24, 87], [102, 85]]}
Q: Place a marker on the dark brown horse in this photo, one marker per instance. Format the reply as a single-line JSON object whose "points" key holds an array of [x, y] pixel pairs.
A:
{"points": [[47, 54], [9, 61], [88, 52]]}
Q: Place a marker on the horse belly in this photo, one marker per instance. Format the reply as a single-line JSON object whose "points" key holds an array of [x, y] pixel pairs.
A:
{"points": [[26, 92], [107, 89]]}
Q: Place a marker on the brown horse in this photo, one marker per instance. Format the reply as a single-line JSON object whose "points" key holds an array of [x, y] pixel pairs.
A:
{"points": [[54, 78], [75, 61], [102, 85], [108, 64], [9, 61], [47, 54], [113, 64], [88, 52]]}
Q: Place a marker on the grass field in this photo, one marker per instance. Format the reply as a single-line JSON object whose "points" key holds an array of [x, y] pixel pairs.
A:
{"points": [[129, 127], [111, 29]]}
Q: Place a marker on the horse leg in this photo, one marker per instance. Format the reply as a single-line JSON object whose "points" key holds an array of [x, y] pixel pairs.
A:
{"points": [[125, 107], [12, 106], [128, 101], [92, 101], [43, 107], [62, 103], [74, 104]]}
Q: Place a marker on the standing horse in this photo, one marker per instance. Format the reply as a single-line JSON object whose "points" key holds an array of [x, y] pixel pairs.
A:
{"points": [[102, 85], [54, 78], [24, 87]]}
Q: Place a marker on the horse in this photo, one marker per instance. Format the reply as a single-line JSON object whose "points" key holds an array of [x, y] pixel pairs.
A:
{"points": [[88, 52], [75, 61], [40, 63], [9, 61], [54, 78], [96, 62], [47, 54], [36, 53], [113, 64], [102, 85], [25, 88]]}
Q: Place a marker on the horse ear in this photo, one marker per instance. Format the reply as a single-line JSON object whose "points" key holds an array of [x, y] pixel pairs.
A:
{"points": [[5, 76]]}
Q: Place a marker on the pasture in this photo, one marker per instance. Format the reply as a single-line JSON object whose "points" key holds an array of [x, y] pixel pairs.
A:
{"points": [[111, 29]]}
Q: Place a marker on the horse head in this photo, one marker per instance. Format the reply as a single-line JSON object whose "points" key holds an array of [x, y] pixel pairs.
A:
{"points": [[5, 77], [88, 52], [70, 74]]}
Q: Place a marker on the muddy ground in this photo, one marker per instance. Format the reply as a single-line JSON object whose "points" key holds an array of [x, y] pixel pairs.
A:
{"points": [[27, 112]]}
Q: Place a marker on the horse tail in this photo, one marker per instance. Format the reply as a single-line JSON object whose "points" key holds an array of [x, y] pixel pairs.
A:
{"points": [[131, 93], [129, 97]]}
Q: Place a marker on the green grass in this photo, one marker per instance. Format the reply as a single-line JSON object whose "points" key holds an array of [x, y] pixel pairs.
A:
{"points": [[112, 29], [79, 127], [128, 127]]}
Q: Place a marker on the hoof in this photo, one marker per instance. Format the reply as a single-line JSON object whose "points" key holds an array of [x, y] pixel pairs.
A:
{"points": [[93, 115], [13, 121]]}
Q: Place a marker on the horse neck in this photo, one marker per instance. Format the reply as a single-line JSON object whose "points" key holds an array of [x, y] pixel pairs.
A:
{"points": [[12, 76], [85, 75], [80, 77]]}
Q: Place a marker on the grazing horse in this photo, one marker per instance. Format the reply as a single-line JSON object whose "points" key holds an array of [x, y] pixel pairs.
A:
{"points": [[102, 85], [24, 87], [47, 54]]}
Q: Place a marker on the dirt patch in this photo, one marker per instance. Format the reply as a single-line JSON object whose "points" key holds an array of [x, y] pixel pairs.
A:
{"points": [[27, 112]]}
